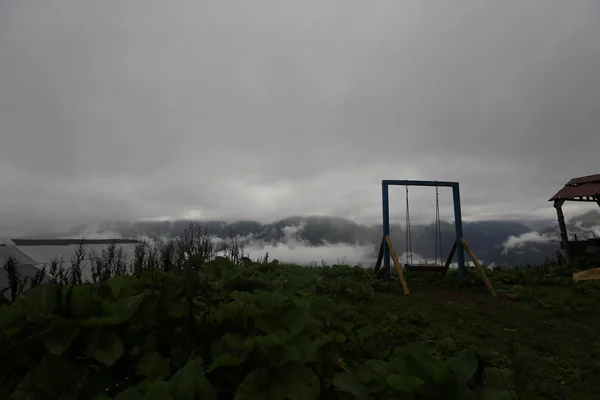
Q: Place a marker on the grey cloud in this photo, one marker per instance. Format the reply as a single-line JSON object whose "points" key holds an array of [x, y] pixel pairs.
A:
{"points": [[243, 109]]}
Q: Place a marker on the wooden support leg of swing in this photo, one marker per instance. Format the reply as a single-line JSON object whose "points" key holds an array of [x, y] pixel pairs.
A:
{"points": [[397, 265], [480, 269], [449, 259], [379, 258]]}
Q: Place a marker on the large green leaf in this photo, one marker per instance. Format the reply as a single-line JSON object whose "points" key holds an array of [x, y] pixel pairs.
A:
{"points": [[241, 298], [60, 335], [417, 351], [102, 397], [129, 394], [231, 350], [367, 331], [115, 313], [234, 341], [280, 355], [348, 383], [177, 310], [179, 356], [11, 333], [381, 367], [364, 373], [114, 285], [270, 300], [127, 306], [416, 361], [308, 349], [85, 301], [297, 317], [11, 316], [464, 364], [403, 383], [227, 360], [499, 378], [438, 371], [106, 347], [40, 302], [54, 377], [295, 382], [271, 340], [497, 394], [254, 386], [158, 391], [100, 322], [221, 314], [189, 383], [153, 366], [120, 286], [293, 316]]}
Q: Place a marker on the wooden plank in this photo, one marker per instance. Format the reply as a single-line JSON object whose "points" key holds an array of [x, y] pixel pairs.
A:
{"points": [[449, 259], [480, 269], [424, 267], [397, 265], [379, 258], [588, 275]]}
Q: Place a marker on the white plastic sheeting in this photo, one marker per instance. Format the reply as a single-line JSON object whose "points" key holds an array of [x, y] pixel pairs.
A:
{"points": [[32, 258]]}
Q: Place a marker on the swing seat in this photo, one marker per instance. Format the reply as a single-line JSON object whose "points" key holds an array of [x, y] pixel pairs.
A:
{"points": [[425, 267]]}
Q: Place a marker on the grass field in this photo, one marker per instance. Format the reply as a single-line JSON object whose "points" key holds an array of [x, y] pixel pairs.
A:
{"points": [[263, 330], [548, 337]]}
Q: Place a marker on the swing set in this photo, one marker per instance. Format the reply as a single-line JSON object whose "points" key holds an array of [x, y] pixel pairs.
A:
{"points": [[460, 246]]}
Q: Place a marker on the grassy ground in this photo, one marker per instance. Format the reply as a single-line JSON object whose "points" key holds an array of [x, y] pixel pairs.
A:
{"points": [[549, 336]]}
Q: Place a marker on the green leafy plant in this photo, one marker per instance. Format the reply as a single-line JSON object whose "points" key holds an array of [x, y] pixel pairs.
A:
{"points": [[199, 328]]}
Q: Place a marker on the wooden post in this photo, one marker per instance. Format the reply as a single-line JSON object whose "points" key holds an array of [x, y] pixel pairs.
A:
{"points": [[558, 203], [397, 265], [377, 268], [480, 269], [449, 259]]}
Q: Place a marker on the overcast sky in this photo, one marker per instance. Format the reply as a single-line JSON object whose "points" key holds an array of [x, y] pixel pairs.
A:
{"points": [[263, 109]]}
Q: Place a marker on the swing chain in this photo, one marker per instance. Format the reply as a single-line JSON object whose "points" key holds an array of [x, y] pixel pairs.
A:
{"points": [[408, 252], [438, 226], [438, 230]]}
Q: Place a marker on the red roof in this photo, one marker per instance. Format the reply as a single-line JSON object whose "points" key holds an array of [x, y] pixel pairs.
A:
{"points": [[578, 188], [585, 179]]}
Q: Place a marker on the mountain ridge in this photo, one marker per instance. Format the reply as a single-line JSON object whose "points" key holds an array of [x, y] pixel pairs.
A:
{"points": [[494, 241]]}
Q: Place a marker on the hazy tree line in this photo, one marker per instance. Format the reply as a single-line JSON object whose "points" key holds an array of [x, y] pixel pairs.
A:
{"points": [[191, 249]]}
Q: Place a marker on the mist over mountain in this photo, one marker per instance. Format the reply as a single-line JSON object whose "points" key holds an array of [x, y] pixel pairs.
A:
{"points": [[306, 239], [537, 224]]}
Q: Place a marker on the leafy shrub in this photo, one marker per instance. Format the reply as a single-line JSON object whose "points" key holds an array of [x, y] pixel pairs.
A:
{"points": [[220, 330], [413, 373]]}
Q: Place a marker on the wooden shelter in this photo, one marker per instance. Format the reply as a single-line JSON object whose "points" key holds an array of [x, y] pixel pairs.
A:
{"points": [[583, 189]]}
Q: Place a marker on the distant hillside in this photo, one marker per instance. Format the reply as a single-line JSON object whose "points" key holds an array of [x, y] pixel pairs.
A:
{"points": [[588, 221], [538, 224], [527, 243], [584, 226]]}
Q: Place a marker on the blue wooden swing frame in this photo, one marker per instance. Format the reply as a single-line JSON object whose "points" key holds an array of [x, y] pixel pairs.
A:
{"points": [[458, 228]]}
